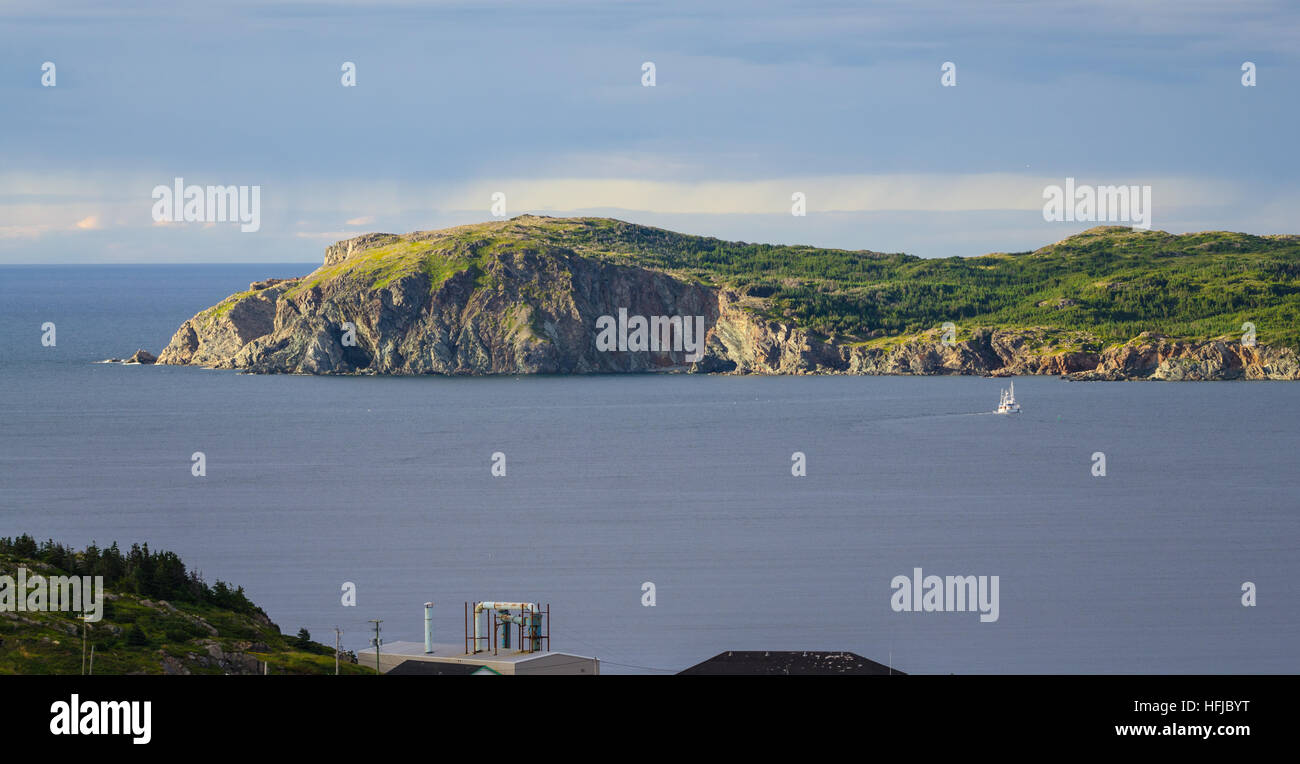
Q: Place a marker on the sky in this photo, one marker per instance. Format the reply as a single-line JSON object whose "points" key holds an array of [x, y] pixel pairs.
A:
{"points": [[544, 102]]}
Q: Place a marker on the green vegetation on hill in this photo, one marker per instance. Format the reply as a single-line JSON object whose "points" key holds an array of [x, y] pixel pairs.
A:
{"points": [[157, 618], [1111, 282], [159, 575], [224, 307], [439, 258], [1098, 288]]}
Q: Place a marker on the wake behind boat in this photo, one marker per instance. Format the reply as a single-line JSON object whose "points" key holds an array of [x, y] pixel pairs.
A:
{"points": [[1008, 403]]}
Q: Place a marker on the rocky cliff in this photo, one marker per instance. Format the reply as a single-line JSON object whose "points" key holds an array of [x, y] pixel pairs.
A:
{"points": [[501, 298]]}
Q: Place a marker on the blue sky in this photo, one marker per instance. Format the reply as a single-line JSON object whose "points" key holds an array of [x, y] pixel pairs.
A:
{"points": [[544, 102]]}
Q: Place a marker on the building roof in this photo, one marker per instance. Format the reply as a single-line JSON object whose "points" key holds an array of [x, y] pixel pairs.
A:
{"points": [[457, 653], [393, 654], [769, 662], [434, 668]]}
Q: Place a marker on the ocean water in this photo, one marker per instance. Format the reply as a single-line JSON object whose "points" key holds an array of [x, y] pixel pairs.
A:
{"points": [[680, 480]]}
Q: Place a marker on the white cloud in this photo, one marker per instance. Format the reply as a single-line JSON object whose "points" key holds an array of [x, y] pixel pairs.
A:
{"points": [[835, 193], [327, 235], [22, 231], [920, 213]]}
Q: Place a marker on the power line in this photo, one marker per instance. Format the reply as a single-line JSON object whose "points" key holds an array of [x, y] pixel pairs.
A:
{"points": [[598, 648], [646, 668]]}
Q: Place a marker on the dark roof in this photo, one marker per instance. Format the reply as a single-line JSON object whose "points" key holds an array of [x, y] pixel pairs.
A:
{"points": [[740, 662], [430, 668]]}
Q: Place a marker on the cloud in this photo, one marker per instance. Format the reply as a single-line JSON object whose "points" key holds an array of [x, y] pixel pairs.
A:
{"points": [[364, 220], [90, 223], [833, 193], [327, 235], [22, 231]]}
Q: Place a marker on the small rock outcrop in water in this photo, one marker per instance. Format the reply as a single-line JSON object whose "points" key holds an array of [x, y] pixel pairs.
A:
{"points": [[506, 298], [141, 356]]}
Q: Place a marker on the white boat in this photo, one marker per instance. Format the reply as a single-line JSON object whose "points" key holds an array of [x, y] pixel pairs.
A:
{"points": [[1008, 403]]}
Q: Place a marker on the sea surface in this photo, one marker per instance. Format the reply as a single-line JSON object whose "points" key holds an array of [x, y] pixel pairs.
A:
{"points": [[680, 480]]}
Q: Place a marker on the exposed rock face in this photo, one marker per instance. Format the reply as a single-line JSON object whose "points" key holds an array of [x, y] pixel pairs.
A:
{"points": [[235, 661], [1159, 358], [213, 337], [1155, 360], [259, 285], [536, 315], [533, 309], [741, 343], [337, 253]]}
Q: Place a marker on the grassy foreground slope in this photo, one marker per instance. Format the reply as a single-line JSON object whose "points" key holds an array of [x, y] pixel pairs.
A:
{"points": [[158, 618]]}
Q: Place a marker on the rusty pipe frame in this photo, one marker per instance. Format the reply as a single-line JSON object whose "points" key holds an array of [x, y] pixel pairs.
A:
{"points": [[480, 607]]}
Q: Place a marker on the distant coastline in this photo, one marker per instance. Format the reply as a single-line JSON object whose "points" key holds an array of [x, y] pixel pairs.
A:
{"points": [[535, 295]]}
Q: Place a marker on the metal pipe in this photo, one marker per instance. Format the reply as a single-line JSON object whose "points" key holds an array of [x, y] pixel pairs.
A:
{"points": [[479, 615], [428, 627], [478, 625], [530, 606]]}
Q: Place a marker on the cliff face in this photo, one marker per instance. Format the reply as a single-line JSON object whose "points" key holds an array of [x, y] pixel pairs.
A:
{"points": [[532, 311], [1007, 353], [215, 336], [1160, 359], [449, 302]]}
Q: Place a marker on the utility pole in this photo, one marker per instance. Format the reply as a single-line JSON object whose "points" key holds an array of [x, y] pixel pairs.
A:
{"points": [[376, 642], [84, 625], [92, 659], [337, 633]]}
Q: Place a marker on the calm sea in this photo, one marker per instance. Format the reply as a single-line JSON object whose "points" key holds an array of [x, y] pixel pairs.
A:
{"points": [[682, 481]]}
